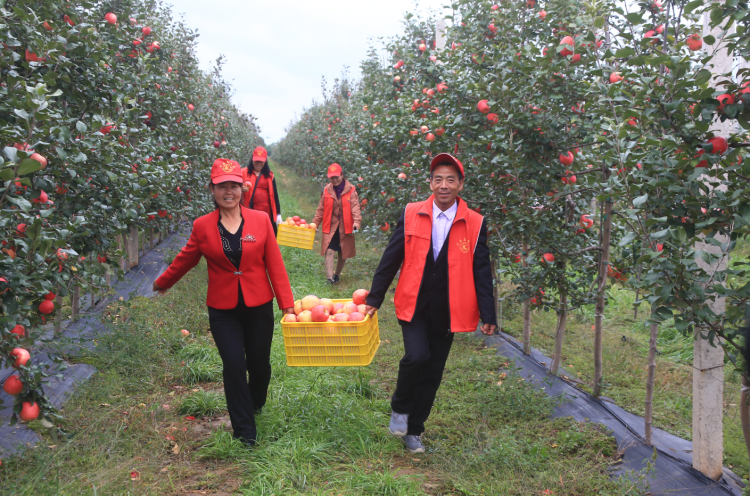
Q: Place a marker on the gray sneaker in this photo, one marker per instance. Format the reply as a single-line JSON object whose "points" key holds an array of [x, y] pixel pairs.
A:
{"points": [[398, 425], [413, 444]]}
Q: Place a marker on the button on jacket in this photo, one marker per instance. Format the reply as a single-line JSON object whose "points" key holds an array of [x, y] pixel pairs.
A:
{"points": [[261, 261]]}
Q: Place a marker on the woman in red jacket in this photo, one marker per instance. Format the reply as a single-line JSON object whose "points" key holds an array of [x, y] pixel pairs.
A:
{"points": [[242, 255], [259, 186]]}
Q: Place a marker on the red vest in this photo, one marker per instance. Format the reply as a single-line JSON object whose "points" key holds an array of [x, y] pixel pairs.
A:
{"points": [[346, 206], [249, 175], [462, 240]]}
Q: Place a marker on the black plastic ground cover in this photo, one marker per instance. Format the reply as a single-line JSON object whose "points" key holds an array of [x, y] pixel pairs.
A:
{"points": [[673, 472], [138, 281]]}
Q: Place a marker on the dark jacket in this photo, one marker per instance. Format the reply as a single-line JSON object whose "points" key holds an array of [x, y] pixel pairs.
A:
{"points": [[433, 290]]}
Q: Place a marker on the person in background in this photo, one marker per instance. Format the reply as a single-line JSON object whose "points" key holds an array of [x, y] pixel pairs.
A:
{"points": [[259, 187], [242, 255], [445, 286], [341, 217]]}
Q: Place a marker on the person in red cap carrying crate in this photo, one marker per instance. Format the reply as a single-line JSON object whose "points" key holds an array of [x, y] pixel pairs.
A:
{"points": [[245, 271], [445, 287], [259, 186], [340, 216]]}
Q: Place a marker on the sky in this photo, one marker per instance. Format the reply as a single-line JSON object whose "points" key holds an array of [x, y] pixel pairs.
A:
{"points": [[278, 51]]}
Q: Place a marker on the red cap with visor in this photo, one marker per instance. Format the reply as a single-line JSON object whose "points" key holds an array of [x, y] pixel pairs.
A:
{"points": [[225, 170], [260, 153], [334, 170], [447, 159]]}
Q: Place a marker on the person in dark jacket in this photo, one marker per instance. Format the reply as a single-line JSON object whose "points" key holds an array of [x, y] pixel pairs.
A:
{"points": [[445, 286], [259, 187]]}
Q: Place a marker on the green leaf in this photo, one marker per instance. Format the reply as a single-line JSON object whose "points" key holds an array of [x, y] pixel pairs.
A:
{"points": [[22, 204], [28, 166], [637, 202], [81, 127], [22, 114], [627, 239], [6, 174], [693, 5], [634, 18], [624, 53], [599, 22], [709, 40]]}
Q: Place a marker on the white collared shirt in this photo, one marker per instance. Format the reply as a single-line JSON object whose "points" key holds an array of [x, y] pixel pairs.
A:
{"points": [[441, 226]]}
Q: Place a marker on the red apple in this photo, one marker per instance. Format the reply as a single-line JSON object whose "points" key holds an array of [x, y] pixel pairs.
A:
{"points": [[328, 304], [483, 106], [548, 257], [39, 158], [110, 18], [615, 77], [19, 331], [402, 176], [47, 26], [360, 296], [305, 316], [337, 308], [309, 302], [320, 313], [440, 131], [146, 31], [350, 307], [694, 42], [340, 317], [29, 411], [586, 221], [430, 137], [568, 41], [13, 385], [356, 317], [296, 218], [297, 307], [46, 307], [422, 47], [542, 14], [289, 318], [22, 356], [493, 118], [566, 159], [362, 309], [725, 99], [50, 296], [719, 144]]}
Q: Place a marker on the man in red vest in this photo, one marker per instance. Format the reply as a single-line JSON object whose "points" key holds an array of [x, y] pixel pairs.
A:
{"points": [[445, 286]]}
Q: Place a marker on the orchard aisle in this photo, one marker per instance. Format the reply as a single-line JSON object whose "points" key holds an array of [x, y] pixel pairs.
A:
{"points": [[152, 420]]}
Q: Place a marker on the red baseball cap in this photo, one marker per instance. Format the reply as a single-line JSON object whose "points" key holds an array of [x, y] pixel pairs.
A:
{"points": [[225, 170], [334, 170], [447, 159], [260, 153]]}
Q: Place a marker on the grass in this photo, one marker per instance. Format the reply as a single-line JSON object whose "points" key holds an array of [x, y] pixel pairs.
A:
{"points": [[322, 431], [625, 354]]}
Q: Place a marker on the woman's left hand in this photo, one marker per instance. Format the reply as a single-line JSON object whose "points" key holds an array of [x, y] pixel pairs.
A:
{"points": [[288, 310]]}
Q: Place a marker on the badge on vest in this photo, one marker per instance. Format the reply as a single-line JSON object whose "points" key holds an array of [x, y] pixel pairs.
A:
{"points": [[464, 245], [249, 239]]}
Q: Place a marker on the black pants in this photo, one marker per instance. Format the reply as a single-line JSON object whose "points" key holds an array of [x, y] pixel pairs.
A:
{"points": [[243, 336], [426, 345]]}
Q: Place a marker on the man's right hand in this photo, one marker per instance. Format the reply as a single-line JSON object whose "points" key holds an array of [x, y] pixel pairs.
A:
{"points": [[370, 310]]}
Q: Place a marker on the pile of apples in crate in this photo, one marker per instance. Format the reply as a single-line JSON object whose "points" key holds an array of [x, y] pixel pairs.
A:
{"points": [[297, 221], [314, 309]]}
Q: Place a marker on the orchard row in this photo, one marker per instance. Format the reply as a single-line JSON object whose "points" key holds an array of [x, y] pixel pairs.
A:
{"points": [[598, 143], [106, 123]]}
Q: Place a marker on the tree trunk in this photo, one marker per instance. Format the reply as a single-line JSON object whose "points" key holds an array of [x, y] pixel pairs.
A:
{"points": [[75, 302], [151, 238], [560, 334], [602, 283], [650, 381], [745, 410], [58, 314]]}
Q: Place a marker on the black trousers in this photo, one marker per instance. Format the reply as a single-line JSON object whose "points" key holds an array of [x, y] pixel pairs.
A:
{"points": [[426, 345], [243, 336]]}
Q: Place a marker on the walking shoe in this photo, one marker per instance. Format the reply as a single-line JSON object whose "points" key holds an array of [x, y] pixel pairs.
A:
{"points": [[398, 425], [330, 280], [413, 444], [336, 278]]}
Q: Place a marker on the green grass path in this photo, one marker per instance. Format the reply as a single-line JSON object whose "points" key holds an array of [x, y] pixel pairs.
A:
{"points": [[323, 430]]}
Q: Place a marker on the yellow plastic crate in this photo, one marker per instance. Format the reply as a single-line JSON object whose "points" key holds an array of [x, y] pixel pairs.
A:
{"points": [[329, 344], [297, 237]]}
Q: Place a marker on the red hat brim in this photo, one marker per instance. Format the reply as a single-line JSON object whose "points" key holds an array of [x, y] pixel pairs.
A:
{"points": [[257, 157], [226, 177], [447, 158]]}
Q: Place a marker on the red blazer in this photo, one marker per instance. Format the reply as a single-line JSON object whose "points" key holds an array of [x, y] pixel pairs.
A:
{"points": [[261, 259]]}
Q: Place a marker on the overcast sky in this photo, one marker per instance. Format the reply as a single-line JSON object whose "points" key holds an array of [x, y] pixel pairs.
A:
{"points": [[278, 51]]}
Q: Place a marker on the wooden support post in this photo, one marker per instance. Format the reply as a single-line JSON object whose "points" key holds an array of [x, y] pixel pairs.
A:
{"points": [[648, 417], [75, 302], [131, 247], [606, 228], [58, 314], [151, 238], [526, 309], [108, 278], [562, 321]]}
